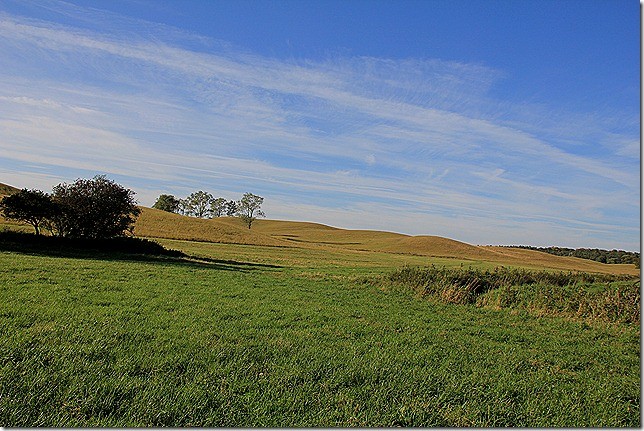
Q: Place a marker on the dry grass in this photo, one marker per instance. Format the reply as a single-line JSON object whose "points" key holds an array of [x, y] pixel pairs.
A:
{"points": [[13, 225], [159, 224], [540, 259], [312, 236], [6, 189]]}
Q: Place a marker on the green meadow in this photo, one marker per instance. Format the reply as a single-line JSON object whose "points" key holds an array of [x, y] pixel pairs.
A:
{"points": [[252, 336]]}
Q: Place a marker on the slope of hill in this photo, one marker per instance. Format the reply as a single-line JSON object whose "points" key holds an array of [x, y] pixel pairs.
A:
{"points": [[431, 246], [278, 233], [6, 189], [368, 240], [546, 260], [161, 224], [155, 223]]}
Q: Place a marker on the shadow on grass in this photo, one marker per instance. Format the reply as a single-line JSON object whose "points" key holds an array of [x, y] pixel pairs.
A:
{"points": [[115, 249]]}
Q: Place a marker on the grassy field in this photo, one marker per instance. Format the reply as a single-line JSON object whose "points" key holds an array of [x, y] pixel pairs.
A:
{"points": [[252, 335], [320, 240]]}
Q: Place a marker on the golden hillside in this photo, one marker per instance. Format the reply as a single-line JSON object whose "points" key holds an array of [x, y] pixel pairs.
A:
{"points": [[546, 260], [6, 189], [160, 224], [154, 223]]}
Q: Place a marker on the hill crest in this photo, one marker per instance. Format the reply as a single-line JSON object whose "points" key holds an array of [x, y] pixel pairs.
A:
{"points": [[279, 233], [6, 189]]}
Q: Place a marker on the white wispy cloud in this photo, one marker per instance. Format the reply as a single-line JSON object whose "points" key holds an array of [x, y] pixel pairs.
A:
{"points": [[360, 134]]}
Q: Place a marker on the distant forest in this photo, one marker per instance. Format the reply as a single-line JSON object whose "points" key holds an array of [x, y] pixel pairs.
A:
{"points": [[596, 254]]}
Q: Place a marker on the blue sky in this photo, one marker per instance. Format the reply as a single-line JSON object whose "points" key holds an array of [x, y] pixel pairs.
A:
{"points": [[496, 122]]}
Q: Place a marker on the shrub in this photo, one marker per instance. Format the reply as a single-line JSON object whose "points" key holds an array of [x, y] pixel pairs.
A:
{"points": [[96, 208], [26, 242]]}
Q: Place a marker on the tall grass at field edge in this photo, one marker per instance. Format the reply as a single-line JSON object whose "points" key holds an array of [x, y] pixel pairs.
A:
{"points": [[604, 297]]}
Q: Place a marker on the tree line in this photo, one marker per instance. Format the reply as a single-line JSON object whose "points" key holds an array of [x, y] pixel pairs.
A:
{"points": [[94, 208], [99, 208], [202, 204], [596, 254]]}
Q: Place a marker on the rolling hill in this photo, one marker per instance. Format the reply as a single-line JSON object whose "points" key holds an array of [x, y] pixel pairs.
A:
{"points": [[278, 233], [6, 189], [161, 224], [154, 223]]}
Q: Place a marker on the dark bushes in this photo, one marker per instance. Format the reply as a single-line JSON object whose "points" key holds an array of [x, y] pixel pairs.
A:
{"points": [[97, 208], [32, 206], [26, 242]]}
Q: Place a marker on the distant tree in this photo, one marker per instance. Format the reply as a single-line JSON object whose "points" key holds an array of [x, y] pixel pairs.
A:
{"points": [[231, 208], [186, 207], [182, 207], [198, 204], [596, 254], [96, 208], [248, 208], [167, 203], [218, 207], [31, 206]]}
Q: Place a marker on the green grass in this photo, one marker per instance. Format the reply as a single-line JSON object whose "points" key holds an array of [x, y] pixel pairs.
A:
{"points": [[260, 336], [319, 262]]}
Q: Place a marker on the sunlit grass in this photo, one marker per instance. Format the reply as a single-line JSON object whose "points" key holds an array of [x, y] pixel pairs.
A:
{"points": [[336, 246], [315, 260], [263, 336]]}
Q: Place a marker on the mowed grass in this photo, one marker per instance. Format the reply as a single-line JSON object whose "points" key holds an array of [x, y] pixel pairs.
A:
{"points": [[321, 262], [266, 336]]}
